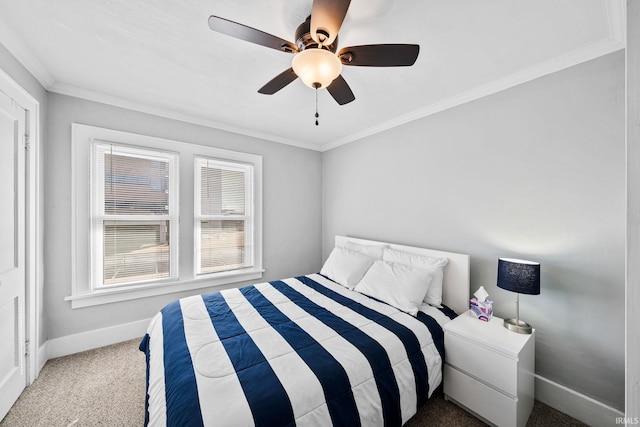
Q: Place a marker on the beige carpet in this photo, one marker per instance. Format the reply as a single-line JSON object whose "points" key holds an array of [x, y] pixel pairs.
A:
{"points": [[106, 387], [101, 387]]}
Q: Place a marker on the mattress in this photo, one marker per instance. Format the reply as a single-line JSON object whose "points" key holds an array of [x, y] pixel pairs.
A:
{"points": [[300, 351]]}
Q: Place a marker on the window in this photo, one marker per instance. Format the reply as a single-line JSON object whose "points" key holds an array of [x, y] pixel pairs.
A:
{"points": [[224, 216], [154, 216], [134, 215]]}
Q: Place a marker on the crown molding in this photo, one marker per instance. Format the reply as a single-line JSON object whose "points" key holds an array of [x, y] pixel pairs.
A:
{"points": [[515, 79], [526, 75], [102, 98]]}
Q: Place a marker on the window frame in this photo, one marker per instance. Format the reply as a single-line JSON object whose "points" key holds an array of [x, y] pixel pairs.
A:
{"points": [[82, 293]]}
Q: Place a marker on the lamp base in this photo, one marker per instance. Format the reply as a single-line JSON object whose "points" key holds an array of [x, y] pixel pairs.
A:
{"points": [[517, 326]]}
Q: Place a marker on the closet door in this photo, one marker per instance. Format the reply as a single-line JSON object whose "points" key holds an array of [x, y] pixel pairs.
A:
{"points": [[12, 252]]}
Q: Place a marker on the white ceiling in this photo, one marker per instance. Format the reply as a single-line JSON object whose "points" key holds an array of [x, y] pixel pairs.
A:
{"points": [[159, 56]]}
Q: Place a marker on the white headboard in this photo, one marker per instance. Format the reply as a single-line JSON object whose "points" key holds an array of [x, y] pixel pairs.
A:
{"points": [[455, 285]]}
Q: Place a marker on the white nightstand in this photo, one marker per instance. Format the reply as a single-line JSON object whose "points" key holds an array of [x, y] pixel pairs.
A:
{"points": [[489, 370]]}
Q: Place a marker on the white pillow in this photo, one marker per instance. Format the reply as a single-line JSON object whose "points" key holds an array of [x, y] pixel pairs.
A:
{"points": [[401, 286], [346, 266], [374, 251], [434, 265]]}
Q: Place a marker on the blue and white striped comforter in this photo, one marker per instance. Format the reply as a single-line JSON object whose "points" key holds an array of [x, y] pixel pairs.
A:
{"points": [[301, 351]]}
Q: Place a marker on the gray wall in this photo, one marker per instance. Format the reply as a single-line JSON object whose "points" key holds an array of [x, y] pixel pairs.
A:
{"points": [[20, 75], [535, 172], [291, 221]]}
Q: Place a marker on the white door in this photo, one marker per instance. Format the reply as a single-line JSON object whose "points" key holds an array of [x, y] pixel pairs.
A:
{"points": [[12, 253]]}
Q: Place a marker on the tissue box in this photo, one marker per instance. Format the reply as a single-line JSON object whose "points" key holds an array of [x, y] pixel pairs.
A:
{"points": [[482, 310]]}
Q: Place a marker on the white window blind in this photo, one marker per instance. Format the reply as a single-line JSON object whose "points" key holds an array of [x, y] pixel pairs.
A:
{"points": [[224, 222], [134, 215]]}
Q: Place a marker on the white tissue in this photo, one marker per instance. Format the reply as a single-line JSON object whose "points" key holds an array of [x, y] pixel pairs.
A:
{"points": [[481, 295]]}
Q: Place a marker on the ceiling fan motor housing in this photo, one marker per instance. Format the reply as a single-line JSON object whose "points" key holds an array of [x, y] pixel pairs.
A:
{"points": [[305, 41]]}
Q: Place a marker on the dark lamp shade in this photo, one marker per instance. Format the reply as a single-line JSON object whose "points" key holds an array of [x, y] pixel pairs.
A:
{"points": [[519, 276]]}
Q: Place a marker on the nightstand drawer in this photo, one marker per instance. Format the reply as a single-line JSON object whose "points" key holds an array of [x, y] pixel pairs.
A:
{"points": [[485, 401], [483, 363]]}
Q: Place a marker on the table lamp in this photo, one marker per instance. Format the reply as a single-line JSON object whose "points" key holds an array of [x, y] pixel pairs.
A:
{"points": [[521, 277]]}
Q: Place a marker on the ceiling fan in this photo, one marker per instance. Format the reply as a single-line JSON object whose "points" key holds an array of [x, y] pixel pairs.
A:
{"points": [[315, 60]]}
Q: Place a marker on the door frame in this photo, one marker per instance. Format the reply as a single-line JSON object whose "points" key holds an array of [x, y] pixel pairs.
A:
{"points": [[33, 231]]}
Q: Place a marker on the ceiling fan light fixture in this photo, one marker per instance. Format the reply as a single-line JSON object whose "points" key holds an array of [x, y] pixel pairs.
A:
{"points": [[316, 66]]}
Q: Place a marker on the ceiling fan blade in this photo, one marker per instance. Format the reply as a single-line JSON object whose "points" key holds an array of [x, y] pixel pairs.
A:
{"points": [[340, 91], [380, 55], [327, 16], [278, 82], [249, 34]]}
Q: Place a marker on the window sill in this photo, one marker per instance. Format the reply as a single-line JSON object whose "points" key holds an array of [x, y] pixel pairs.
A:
{"points": [[128, 293]]}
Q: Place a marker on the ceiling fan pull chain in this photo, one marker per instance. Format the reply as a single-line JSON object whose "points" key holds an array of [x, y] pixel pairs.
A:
{"points": [[316, 86]]}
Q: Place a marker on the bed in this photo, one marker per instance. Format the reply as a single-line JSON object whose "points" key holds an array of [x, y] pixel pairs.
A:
{"points": [[328, 348]]}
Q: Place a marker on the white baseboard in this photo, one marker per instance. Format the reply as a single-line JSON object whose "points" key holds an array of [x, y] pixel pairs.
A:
{"points": [[42, 356], [89, 340], [577, 405]]}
